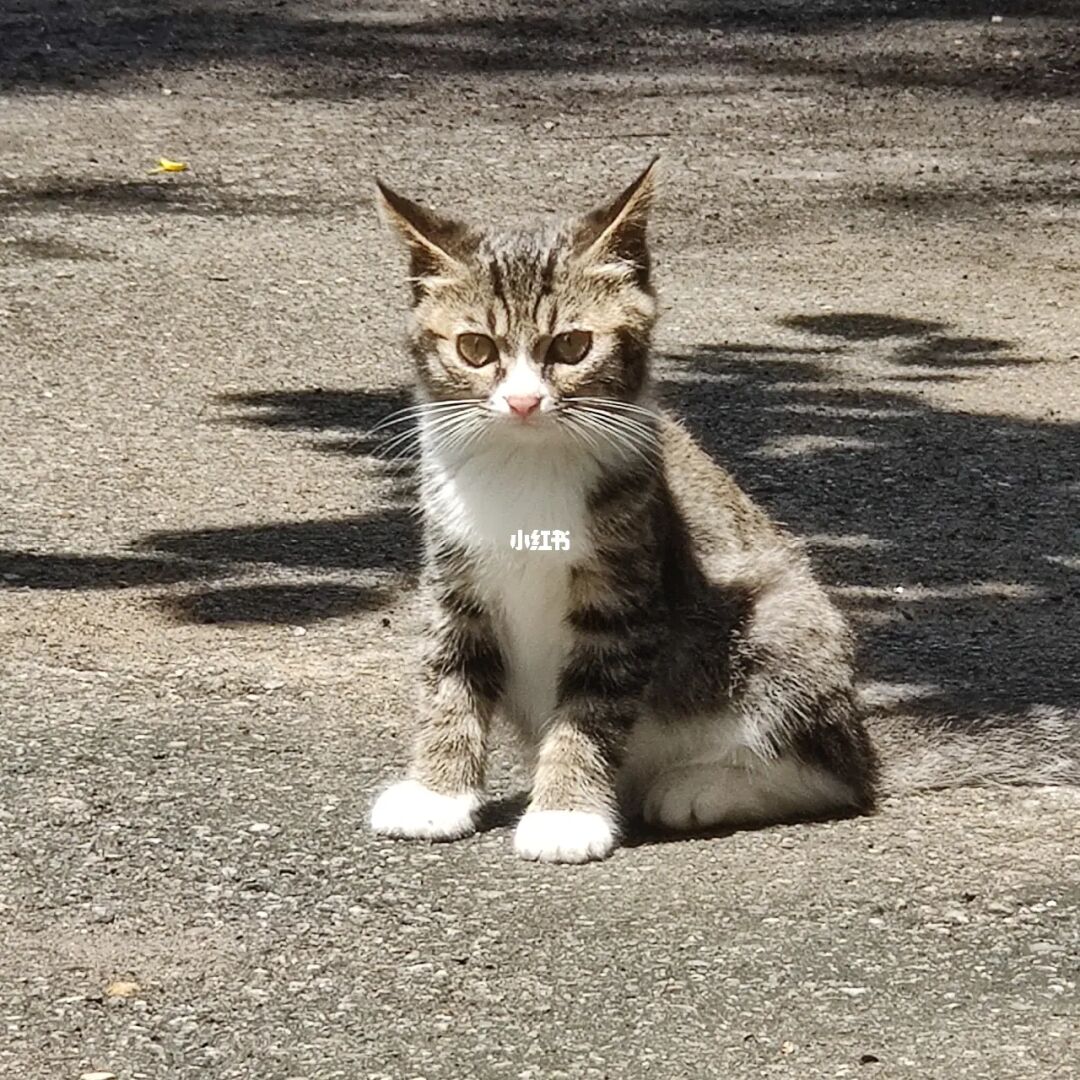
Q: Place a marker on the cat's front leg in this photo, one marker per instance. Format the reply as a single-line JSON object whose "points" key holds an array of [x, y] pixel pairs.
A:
{"points": [[613, 614], [462, 681], [572, 816]]}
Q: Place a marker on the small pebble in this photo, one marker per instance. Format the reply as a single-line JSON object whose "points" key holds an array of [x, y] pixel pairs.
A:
{"points": [[1040, 948], [122, 988]]}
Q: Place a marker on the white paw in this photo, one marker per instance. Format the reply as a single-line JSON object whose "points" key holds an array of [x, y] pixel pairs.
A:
{"points": [[410, 809], [565, 836]]}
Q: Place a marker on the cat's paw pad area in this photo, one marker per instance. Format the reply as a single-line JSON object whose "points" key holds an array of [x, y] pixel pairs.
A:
{"points": [[411, 810], [564, 836]]}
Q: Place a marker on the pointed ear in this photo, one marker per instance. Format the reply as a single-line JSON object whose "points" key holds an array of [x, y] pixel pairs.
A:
{"points": [[616, 232], [436, 244]]}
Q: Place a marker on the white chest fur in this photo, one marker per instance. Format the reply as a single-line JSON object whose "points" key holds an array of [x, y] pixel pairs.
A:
{"points": [[485, 500]]}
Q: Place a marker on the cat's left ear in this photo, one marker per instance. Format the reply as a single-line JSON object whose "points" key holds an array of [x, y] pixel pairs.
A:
{"points": [[616, 231], [436, 244]]}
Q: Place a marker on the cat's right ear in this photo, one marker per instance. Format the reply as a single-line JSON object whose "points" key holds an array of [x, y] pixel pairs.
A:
{"points": [[436, 244]]}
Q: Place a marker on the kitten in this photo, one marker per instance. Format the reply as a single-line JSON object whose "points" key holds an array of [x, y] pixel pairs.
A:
{"points": [[678, 663]]}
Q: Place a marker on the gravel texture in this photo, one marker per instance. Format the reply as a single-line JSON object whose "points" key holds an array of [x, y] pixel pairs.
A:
{"points": [[867, 243]]}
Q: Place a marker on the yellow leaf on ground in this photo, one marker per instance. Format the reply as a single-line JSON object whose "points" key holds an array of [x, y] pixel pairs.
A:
{"points": [[165, 165]]}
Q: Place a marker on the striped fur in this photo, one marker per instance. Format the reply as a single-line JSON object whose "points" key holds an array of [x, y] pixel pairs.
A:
{"points": [[679, 663]]}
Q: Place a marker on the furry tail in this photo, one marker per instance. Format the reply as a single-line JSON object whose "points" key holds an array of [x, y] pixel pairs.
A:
{"points": [[1040, 747]]}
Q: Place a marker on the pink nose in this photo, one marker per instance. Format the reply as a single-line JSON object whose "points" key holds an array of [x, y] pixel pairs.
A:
{"points": [[523, 404]]}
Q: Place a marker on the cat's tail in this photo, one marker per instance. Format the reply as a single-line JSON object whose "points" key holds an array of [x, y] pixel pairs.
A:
{"points": [[1039, 747]]}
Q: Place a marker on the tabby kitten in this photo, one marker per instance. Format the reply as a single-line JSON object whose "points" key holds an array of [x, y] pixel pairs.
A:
{"points": [[678, 663]]}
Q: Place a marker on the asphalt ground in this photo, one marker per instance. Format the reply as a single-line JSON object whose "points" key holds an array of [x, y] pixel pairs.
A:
{"points": [[867, 247]]}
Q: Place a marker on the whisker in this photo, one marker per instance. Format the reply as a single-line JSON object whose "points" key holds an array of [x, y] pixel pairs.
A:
{"points": [[460, 432], [583, 436], [405, 452], [438, 423], [645, 441], [471, 437], [640, 415], [631, 422], [411, 412], [614, 403], [614, 439], [452, 437], [616, 435]]}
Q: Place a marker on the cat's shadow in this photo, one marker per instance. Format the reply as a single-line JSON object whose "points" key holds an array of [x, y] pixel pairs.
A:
{"points": [[501, 812], [504, 811]]}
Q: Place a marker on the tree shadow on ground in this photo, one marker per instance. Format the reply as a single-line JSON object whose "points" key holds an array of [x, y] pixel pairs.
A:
{"points": [[355, 414], [361, 542], [385, 541], [318, 49], [295, 604], [49, 249], [190, 196], [950, 538]]}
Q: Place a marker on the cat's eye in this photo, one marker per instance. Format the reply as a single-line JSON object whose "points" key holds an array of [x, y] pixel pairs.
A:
{"points": [[477, 349], [570, 347]]}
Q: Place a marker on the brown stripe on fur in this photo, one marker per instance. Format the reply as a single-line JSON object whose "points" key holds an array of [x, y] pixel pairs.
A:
{"points": [[472, 655], [547, 274], [634, 354], [576, 765], [450, 751], [692, 604], [464, 675], [615, 672], [459, 601], [499, 290], [612, 620]]}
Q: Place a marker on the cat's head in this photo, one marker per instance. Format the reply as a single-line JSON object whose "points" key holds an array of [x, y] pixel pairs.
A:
{"points": [[525, 323]]}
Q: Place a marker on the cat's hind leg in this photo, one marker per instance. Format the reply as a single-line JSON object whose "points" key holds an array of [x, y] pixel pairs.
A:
{"points": [[717, 772], [719, 794]]}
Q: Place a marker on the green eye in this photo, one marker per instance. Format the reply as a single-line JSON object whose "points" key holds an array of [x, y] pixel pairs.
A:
{"points": [[477, 349], [569, 348]]}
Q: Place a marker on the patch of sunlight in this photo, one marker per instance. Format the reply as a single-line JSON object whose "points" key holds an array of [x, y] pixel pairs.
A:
{"points": [[847, 412], [1070, 562], [885, 694], [848, 541], [909, 594], [786, 446]]}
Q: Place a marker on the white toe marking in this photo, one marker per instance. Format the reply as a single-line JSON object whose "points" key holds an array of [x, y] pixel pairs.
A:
{"points": [[410, 809], [565, 836]]}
